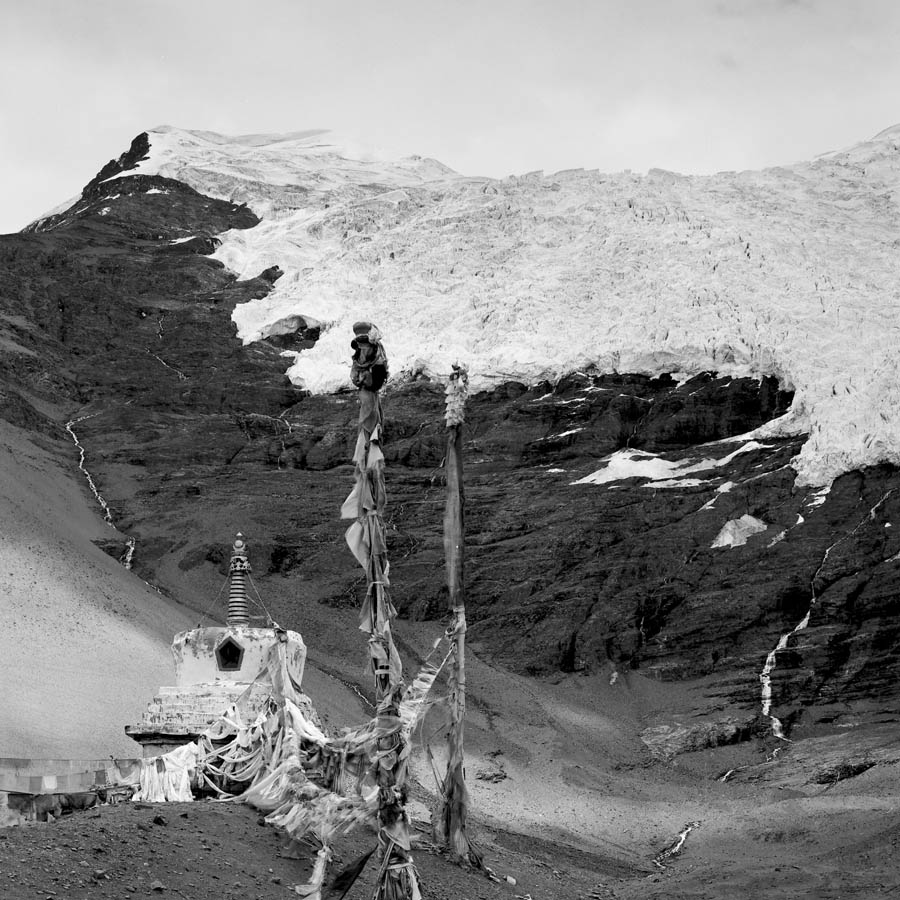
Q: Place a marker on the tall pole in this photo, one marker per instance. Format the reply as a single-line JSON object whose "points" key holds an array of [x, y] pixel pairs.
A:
{"points": [[397, 879], [451, 825]]}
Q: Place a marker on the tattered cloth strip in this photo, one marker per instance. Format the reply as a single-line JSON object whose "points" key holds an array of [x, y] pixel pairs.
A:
{"points": [[414, 706], [397, 878], [366, 502], [346, 878], [313, 888], [168, 777], [368, 544], [249, 750]]}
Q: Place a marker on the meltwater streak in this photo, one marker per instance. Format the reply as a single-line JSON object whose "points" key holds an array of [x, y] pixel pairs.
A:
{"points": [[765, 677], [128, 555], [107, 515]]}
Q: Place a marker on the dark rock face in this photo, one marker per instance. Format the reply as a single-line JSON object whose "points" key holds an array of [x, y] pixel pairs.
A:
{"points": [[139, 149], [292, 332], [193, 437], [106, 297]]}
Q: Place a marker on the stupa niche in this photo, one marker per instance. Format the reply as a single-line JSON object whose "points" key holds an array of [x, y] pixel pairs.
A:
{"points": [[216, 668]]}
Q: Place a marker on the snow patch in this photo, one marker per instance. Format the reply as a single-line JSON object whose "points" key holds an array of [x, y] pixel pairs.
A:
{"points": [[677, 483], [638, 464], [65, 206], [736, 532], [632, 464], [723, 488]]}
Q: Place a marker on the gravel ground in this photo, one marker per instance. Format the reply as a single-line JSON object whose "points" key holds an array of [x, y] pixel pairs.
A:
{"points": [[208, 851]]}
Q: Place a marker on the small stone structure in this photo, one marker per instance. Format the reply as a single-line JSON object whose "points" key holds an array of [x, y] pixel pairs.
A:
{"points": [[217, 667]]}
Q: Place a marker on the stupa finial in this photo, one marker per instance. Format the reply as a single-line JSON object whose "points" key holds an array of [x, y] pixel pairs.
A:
{"points": [[238, 612]]}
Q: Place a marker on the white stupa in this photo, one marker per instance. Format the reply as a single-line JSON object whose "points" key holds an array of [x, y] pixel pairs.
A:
{"points": [[218, 668]]}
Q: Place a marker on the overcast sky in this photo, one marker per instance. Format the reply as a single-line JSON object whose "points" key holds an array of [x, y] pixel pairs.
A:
{"points": [[489, 87]]}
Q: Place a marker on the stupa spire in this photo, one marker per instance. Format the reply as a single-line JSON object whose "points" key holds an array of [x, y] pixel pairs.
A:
{"points": [[238, 613]]}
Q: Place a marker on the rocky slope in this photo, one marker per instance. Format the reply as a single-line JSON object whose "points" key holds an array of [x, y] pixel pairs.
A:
{"points": [[72, 615], [619, 526]]}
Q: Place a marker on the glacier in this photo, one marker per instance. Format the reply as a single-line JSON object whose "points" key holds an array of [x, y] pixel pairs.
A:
{"points": [[792, 271]]}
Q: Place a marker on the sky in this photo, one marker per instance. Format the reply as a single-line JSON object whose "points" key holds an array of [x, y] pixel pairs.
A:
{"points": [[488, 87]]}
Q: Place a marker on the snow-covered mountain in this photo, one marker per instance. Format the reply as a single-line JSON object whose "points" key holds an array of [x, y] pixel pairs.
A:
{"points": [[791, 271]]}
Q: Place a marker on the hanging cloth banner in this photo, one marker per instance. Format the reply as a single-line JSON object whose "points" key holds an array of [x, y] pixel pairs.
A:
{"points": [[397, 878]]}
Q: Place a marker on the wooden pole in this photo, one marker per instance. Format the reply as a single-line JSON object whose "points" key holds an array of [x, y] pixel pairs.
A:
{"points": [[366, 537], [451, 825]]}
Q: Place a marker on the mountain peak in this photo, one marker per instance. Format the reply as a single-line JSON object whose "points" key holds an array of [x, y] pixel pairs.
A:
{"points": [[250, 168]]}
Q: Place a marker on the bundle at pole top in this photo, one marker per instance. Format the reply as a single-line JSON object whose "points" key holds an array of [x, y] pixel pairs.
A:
{"points": [[457, 392], [370, 366]]}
